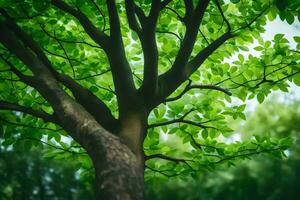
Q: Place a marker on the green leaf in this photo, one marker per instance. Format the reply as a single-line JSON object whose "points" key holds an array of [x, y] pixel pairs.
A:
{"points": [[258, 48], [289, 18], [260, 97], [296, 79], [94, 89], [136, 58], [204, 133], [278, 36], [297, 39]]}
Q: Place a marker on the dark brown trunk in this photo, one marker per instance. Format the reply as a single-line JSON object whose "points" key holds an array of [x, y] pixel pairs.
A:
{"points": [[119, 160], [119, 174]]}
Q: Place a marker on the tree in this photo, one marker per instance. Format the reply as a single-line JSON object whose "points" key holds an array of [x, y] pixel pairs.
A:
{"points": [[112, 75]]}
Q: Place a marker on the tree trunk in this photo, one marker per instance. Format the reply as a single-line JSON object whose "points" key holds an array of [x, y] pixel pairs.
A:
{"points": [[119, 175], [119, 160]]}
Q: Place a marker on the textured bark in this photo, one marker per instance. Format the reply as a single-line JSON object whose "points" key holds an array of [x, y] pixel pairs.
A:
{"points": [[119, 175]]}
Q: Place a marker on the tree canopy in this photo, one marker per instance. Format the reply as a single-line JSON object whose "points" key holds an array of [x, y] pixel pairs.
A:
{"points": [[70, 66]]}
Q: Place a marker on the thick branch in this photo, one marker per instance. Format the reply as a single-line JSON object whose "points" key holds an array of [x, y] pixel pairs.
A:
{"points": [[182, 69], [189, 7], [131, 16], [89, 101], [150, 51], [72, 117], [195, 63], [122, 75], [170, 80], [174, 78], [146, 34], [165, 3]]}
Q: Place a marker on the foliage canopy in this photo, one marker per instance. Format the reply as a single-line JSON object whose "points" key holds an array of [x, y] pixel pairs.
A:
{"points": [[187, 88]]}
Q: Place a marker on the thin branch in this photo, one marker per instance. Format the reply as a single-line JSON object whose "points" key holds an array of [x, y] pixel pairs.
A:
{"points": [[5, 70], [98, 36], [69, 60], [101, 13], [246, 155], [165, 157], [94, 75], [4, 105], [169, 158], [295, 51], [68, 41], [51, 145], [190, 87], [176, 13], [180, 120], [23, 78], [198, 145], [288, 76], [223, 16], [28, 126], [206, 40], [161, 172], [172, 33], [61, 56], [252, 21]]}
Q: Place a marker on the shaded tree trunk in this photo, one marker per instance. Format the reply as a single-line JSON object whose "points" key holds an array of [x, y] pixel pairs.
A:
{"points": [[119, 162], [119, 175]]}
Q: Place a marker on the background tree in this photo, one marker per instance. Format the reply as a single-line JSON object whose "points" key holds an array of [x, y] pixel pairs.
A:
{"points": [[64, 62]]}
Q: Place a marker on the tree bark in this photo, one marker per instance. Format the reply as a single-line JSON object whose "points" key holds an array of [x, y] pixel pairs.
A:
{"points": [[119, 160], [119, 174]]}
